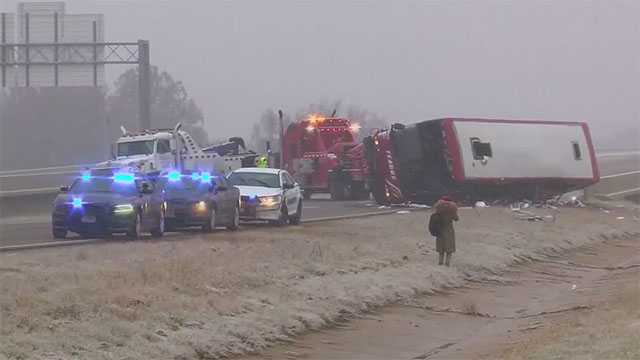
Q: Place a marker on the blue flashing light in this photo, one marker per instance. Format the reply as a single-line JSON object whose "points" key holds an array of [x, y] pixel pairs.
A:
{"points": [[174, 176], [205, 177], [195, 176], [124, 178], [77, 203], [86, 176]]}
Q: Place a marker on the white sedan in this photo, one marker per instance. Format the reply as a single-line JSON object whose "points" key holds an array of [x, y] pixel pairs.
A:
{"points": [[268, 195]]}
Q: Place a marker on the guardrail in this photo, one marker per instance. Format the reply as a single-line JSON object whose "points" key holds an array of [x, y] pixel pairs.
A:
{"points": [[37, 181]]}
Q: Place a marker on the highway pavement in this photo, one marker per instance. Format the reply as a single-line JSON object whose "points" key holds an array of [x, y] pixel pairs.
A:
{"points": [[37, 228], [32, 223]]}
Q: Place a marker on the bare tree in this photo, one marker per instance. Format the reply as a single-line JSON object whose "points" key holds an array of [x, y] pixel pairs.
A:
{"points": [[368, 121], [170, 104], [267, 130]]}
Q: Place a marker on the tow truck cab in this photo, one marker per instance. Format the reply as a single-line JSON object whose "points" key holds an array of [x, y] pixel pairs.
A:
{"points": [[158, 150], [148, 152]]}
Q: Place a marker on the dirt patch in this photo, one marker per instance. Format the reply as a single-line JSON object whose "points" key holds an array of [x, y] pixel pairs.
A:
{"points": [[578, 308], [211, 296], [610, 330]]}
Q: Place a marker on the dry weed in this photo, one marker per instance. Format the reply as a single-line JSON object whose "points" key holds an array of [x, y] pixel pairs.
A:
{"points": [[470, 308]]}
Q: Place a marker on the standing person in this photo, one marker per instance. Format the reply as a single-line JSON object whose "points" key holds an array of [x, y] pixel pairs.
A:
{"points": [[447, 212]]}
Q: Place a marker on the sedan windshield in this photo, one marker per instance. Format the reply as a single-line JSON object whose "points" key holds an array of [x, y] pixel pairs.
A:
{"points": [[255, 179], [135, 148], [103, 186]]}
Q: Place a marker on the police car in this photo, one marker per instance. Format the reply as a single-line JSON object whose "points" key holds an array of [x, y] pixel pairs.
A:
{"points": [[268, 195], [201, 199], [107, 201]]}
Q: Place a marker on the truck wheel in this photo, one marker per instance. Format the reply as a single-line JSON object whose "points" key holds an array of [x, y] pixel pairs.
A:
{"points": [[358, 191], [297, 217], [136, 228], [159, 231], [235, 221], [59, 233], [337, 190], [378, 193], [210, 225]]}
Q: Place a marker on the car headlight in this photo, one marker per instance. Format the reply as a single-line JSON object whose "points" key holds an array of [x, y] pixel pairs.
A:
{"points": [[270, 201], [201, 206], [123, 209]]}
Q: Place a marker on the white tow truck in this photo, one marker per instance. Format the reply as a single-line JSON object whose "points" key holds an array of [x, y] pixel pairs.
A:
{"points": [[157, 150]]}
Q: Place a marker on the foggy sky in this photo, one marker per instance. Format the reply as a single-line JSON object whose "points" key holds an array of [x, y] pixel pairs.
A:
{"points": [[407, 60]]}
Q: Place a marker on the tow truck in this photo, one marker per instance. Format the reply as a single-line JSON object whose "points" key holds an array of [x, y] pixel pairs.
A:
{"points": [[323, 156], [157, 150]]}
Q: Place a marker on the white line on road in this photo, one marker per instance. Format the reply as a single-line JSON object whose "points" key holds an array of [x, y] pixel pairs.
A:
{"points": [[623, 192], [620, 174], [617, 153]]}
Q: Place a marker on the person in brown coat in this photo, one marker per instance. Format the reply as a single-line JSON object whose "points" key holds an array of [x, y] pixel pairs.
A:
{"points": [[446, 239]]}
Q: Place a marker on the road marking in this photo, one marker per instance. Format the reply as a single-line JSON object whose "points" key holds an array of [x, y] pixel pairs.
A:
{"points": [[623, 192], [49, 244], [620, 174], [618, 153]]}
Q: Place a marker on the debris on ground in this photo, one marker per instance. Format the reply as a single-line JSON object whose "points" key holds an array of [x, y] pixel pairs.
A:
{"points": [[564, 201], [410, 205], [529, 216], [481, 204], [419, 206]]}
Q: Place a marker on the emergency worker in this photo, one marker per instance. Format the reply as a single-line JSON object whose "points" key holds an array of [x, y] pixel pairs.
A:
{"points": [[262, 162]]}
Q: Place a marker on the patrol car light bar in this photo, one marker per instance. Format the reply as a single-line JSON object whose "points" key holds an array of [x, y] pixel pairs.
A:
{"points": [[124, 178]]}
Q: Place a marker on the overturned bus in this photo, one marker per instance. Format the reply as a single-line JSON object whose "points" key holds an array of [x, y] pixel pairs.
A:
{"points": [[479, 159]]}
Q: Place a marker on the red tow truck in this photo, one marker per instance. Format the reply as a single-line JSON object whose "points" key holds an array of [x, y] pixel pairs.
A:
{"points": [[322, 154]]}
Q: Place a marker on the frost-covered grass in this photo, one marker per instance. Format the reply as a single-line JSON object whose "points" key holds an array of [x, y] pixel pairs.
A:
{"points": [[208, 296]]}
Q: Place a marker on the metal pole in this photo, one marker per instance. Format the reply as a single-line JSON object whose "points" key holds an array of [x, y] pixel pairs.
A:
{"points": [[4, 41], [55, 50], [26, 50], [95, 55], [281, 123], [144, 84]]}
